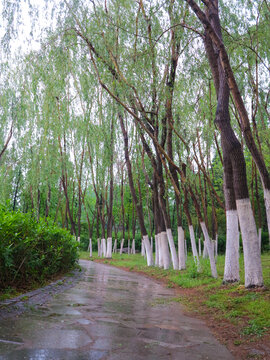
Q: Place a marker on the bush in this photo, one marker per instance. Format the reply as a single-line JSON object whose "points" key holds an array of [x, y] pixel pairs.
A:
{"points": [[31, 251]]}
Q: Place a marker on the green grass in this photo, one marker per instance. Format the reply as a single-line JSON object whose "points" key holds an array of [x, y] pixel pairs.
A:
{"points": [[249, 309]]}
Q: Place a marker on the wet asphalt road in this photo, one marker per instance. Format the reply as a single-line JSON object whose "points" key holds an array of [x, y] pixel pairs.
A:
{"points": [[109, 315]]}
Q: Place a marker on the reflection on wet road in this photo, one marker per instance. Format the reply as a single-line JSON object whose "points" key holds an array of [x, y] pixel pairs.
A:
{"points": [[110, 314]]}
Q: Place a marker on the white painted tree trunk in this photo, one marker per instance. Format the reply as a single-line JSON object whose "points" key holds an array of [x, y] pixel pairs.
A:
{"points": [[121, 246], [210, 252], [151, 243], [160, 255], [90, 248], [115, 246], [143, 249], [213, 242], [149, 254], [156, 251], [109, 248], [252, 256], [133, 247], [193, 245], [79, 239], [99, 247], [216, 244], [231, 270], [200, 247], [181, 248], [128, 247], [165, 250], [267, 208], [260, 239], [104, 250], [172, 249], [205, 252]]}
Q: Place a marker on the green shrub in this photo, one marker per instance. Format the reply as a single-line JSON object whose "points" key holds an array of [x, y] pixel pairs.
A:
{"points": [[31, 251]]}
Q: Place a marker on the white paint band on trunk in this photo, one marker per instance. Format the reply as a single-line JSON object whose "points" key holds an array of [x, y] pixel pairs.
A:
{"points": [[165, 250], [181, 248], [172, 249], [266, 193], [252, 256], [109, 248], [231, 269], [210, 250], [149, 254]]}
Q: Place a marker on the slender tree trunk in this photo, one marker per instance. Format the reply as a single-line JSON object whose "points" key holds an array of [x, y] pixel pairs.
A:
{"points": [[99, 247], [133, 250], [121, 246], [259, 211], [156, 251], [7, 141], [90, 248], [115, 246], [164, 254], [205, 234], [110, 209], [139, 209], [16, 190], [48, 202], [162, 203], [190, 227], [181, 248], [65, 185]]}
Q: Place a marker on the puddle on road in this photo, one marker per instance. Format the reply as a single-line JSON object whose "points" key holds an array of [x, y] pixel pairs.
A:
{"points": [[61, 339], [49, 354], [85, 321]]}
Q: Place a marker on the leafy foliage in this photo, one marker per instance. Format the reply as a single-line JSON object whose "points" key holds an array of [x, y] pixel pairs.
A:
{"points": [[31, 251]]}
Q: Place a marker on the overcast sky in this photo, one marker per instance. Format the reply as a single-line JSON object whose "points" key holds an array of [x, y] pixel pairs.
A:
{"points": [[29, 24]]}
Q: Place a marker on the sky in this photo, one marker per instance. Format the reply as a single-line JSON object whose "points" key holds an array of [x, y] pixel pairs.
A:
{"points": [[29, 24]]}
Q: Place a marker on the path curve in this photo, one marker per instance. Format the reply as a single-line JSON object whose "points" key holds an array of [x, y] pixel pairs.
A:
{"points": [[110, 314]]}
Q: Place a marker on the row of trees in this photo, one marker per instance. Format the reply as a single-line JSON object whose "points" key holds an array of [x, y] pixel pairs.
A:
{"points": [[127, 118]]}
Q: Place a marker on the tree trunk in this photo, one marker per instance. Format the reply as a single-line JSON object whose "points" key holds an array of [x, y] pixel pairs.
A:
{"points": [[115, 246], [90, 248], [165, 250], [121, 246], [110, 209], [103, 247], [133, 247], [99, 248], [193, 245], [16, 189], [181, 248], [169, 236], [156, 251], [48, 202], [139, 209], [210, 250], [232, 149], [231, 271]]}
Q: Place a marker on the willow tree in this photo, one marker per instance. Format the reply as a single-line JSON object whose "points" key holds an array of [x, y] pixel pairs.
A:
{"points": [[234, 162]]}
